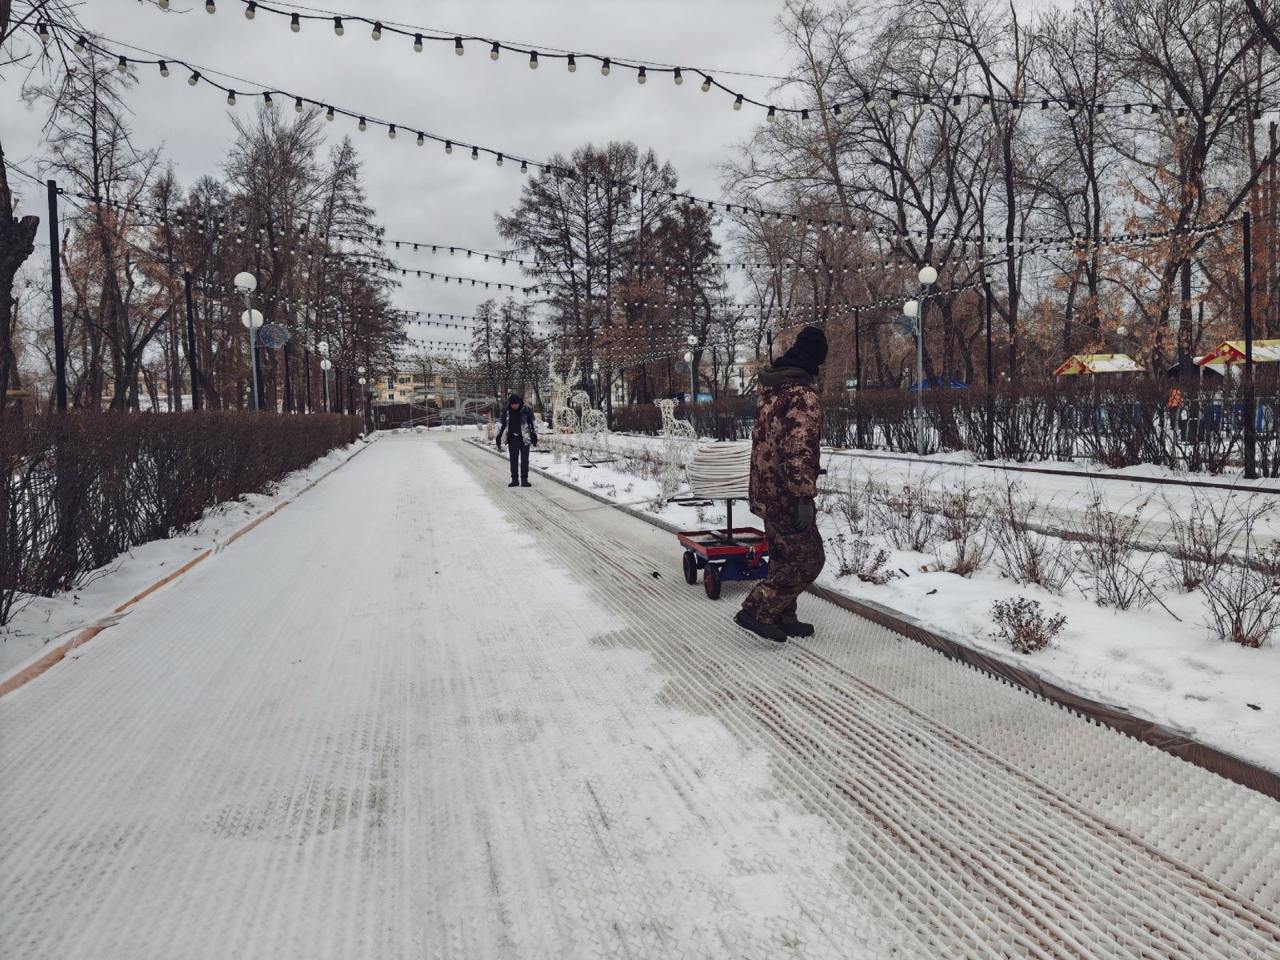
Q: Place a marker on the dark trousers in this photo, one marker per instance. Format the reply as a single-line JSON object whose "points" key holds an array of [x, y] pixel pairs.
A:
{"points": [[519, 454], [795, 560]]}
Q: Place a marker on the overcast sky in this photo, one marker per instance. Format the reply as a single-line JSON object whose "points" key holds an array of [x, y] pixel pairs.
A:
{"points": [[419, 193]]}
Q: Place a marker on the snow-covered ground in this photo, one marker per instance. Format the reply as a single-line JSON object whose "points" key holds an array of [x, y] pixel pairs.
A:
{"points": [[40, 623], [1160, 662]]}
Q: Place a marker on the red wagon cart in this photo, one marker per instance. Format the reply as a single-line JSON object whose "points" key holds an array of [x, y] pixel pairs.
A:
{"points": [[731, 553]]}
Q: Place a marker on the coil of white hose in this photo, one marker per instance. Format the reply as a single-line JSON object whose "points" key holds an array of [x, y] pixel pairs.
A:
{"points": [[720, 471]]}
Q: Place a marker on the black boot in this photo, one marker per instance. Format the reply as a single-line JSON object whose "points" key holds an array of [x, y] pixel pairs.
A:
{"points": [[514, 483], [759, 627], [525, 482], [795, 628]]}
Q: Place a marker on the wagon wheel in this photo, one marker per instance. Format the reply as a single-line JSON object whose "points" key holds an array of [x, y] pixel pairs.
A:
{"points": [[711, 582], [690, 567]]}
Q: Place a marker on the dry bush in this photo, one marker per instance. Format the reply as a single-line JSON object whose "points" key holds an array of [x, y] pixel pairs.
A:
{"points": [[1201, 540], [858, 557], [1241, 577], [962, 523], [1115, 568], [907, 517], [1021, 623], [1023, 553]]}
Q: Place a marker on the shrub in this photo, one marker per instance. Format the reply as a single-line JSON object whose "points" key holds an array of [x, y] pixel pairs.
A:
{"points": [[79, 489], [906, 516], [855, 556], [1023, 553], [1021, 623], [1113, 564], [963, 526]]}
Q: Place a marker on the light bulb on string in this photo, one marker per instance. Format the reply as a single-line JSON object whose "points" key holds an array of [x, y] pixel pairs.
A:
{"points": [[338, 28], [706, 83], [210, 6], [457, 46], [533, 59], [604, 67], [417, 43], [81, 44], [164, 4], [772, 115], [122, 66], [164, 69], [448, 146], [572, 64], [391, 132], [376, 33], [524, 167], [194, 78], [329, 114], [475, 153], [295, 23], [231, 98], [737, 102], [421, 139], [363, 125]]}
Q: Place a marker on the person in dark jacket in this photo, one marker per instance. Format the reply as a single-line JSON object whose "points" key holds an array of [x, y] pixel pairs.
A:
{"points": [[784, 485], [517, 424]]}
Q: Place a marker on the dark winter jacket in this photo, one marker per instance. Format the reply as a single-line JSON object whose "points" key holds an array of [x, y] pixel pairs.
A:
{"points": [[511, 422], [784, 442]]}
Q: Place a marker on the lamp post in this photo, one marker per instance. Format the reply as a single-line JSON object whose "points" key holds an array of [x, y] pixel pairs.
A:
{"points": [[693, 373], [364, 395], [246, 283], [927, 276], [325, 366]]}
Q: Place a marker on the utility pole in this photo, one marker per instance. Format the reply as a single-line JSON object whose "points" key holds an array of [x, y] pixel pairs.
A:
{"points": [[55, 270], [991, 419]]}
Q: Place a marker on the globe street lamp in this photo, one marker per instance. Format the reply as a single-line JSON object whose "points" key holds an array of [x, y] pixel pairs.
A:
{"points": [[693, 373], [246, 283], [364, 395], [928, 276]]}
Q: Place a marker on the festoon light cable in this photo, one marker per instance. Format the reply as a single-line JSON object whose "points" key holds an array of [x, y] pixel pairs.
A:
{"points": [[720, 470]]}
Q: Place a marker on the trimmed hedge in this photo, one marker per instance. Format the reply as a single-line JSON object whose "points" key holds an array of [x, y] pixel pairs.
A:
{"points": [[1119, 423], [79, 489]]}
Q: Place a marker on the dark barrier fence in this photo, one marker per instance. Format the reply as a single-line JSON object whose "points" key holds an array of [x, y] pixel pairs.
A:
{"points": [[80, 489], [1197, 427]]}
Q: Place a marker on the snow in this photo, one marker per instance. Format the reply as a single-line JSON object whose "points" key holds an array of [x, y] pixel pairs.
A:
{"points": [[414, 713], [41, 623], [390, 716], [1171, 671]]}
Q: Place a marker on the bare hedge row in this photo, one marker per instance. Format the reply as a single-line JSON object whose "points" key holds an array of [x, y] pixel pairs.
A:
{"points": [[80, 489], [1199, 428]]}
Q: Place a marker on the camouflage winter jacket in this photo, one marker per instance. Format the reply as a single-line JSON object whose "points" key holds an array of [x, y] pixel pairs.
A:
{"points": [[784, 443]]}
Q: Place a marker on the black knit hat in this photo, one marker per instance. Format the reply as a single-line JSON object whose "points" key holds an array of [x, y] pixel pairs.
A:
{"points": [[515, 398], [809, 352]]}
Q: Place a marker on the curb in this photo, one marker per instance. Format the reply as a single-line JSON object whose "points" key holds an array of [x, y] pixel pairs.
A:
{"points": [[1209, 758], [25, 675]]}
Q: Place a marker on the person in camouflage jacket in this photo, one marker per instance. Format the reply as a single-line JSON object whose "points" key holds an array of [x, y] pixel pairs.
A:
{"points": [[784, 483]]}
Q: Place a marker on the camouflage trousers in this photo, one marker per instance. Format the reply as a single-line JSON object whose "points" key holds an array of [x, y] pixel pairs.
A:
{"points": [[795, 560]]}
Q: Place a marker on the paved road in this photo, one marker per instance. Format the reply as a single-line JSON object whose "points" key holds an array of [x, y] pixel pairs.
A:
{"points": [[417, 714]]}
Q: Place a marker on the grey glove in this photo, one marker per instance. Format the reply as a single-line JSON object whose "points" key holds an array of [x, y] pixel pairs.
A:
{"points": [[803, 515]]}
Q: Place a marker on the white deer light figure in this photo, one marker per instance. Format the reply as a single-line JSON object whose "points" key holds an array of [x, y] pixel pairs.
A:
{"points": [[564, 422], [677, 439], [593, 426]]}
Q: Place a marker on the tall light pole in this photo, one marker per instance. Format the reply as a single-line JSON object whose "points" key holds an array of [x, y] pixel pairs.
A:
{"points": [[246, 283], [915, 308], [325, 366], [693, 371]]}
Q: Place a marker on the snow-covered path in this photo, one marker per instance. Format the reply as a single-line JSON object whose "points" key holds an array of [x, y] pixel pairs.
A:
{"points": [[417, 714]]}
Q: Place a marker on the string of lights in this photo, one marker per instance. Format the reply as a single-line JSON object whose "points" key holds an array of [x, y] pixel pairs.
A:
{"points": [[165, 218], [874, 97], [197, 77]]}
